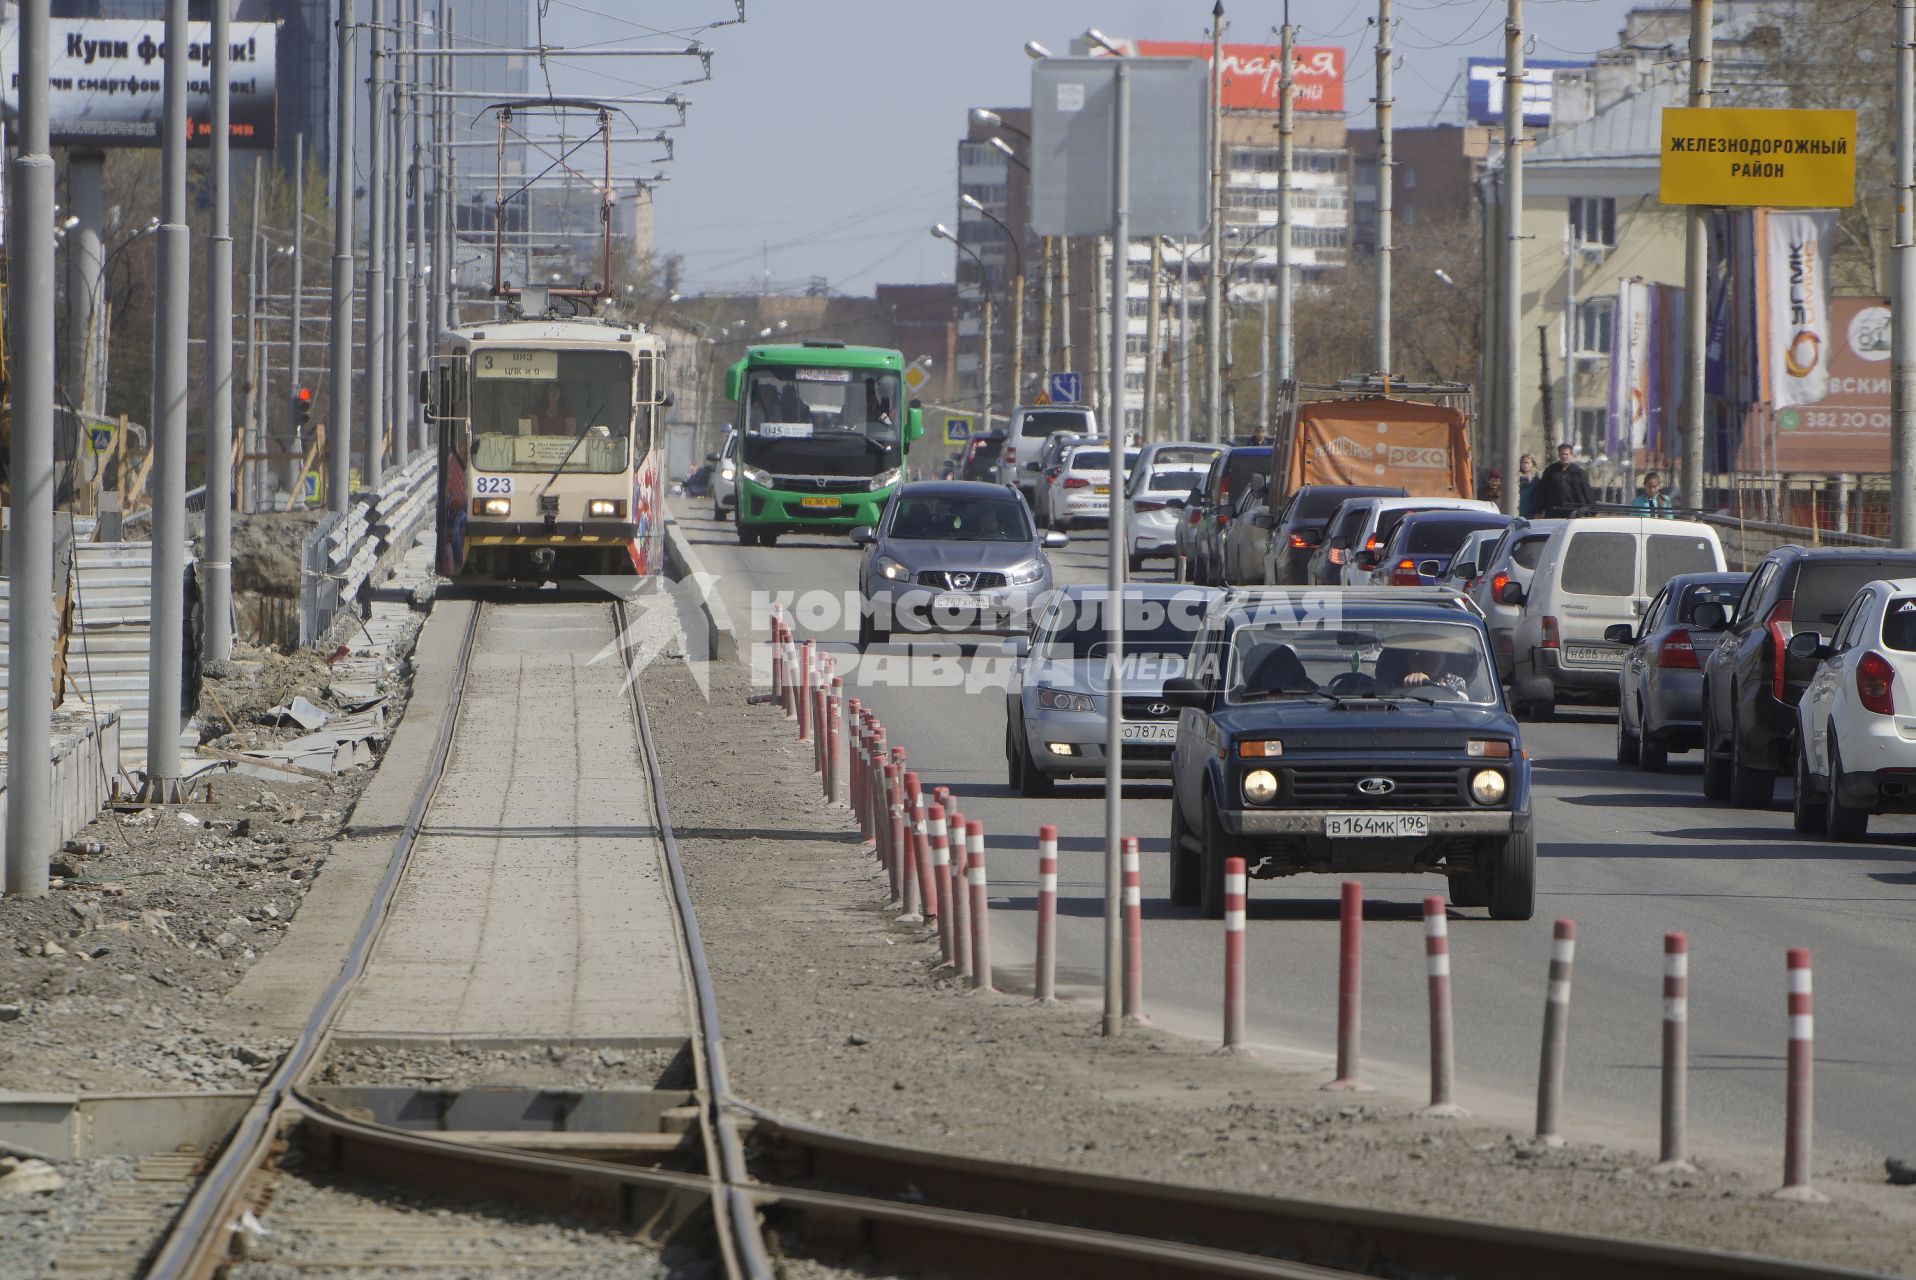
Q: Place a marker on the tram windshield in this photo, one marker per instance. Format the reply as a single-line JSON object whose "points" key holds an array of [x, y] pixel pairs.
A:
{"points": [[550, 410]]}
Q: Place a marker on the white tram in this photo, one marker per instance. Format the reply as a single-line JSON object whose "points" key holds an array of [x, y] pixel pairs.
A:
{"points": [[551, 457]]}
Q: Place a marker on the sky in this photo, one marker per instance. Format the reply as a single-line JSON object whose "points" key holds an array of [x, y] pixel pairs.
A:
{"points": [[825, 143]]}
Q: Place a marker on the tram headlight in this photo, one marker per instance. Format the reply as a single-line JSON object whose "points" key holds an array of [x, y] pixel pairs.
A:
{"points": [[492, 506], [889, 479], [757, 476], [605, 509]]}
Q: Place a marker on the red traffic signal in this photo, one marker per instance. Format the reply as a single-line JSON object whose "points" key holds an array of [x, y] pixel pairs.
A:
{"points": [[305, 395]]}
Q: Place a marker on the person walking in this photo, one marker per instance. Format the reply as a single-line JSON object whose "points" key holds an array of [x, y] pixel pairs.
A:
{"points": [[1527, 485], [1652, 500], [1564, 487]]}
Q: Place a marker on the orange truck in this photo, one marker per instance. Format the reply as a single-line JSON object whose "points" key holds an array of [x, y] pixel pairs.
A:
{"points": [[1366, 432]]}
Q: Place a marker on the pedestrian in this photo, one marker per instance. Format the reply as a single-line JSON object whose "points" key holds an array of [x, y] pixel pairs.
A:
{"points": [[1493, 486], [1652, 499], [1527, 485], [1564, 488]]}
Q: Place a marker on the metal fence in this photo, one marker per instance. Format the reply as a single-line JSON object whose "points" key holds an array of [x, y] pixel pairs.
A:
{"points": [[344, 551]]}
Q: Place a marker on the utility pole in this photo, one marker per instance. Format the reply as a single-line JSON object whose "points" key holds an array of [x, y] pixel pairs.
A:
{"points": [[170, 419], [1696, 273], [398, 292], [253, 430], [373, 446], [216, 566], [1264, 359], [294, 352], [422, 339], [1386, 163], [1064, 306], [86, 312], [1184, 339], [30, 552], [1100, 389], [1214, 290], [444, 251], [1511, 350], [1116, 561], [339, 430], [1044, 313], [1149, 422], [1902, 320], [1286, 142], [985, 367]]}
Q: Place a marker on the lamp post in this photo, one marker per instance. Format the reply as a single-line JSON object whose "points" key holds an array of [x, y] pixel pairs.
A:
{"points": [[1017, 300], [942, 232], [1044, 258]]}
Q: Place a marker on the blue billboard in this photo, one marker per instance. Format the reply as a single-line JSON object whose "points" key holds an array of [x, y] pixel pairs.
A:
{"points": [[1484, 101]]}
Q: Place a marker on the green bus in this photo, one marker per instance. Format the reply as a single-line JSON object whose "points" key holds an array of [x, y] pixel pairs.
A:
{"points": [[822, 436]]}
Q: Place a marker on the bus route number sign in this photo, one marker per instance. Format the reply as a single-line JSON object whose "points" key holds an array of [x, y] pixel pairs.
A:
{"points": [[516, 364]]}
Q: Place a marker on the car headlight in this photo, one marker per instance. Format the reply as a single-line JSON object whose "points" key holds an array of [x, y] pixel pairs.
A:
{"points": [[728, 471], [492, 506], [1260, 786], [1058, 700], [890, 568], [889, 479], [1487, 786], [757, 476], [606, 508], [1025, 574]]}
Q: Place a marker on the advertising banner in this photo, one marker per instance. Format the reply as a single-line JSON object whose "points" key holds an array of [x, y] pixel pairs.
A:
{"points": [[1629, 403], [1423, 447], [1758, 156], [104, 77], [1484, 89], [1848, 429], [1793, 309], [1252, 72]]}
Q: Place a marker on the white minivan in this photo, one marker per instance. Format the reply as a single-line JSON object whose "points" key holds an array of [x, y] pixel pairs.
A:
{"points": [[1031, 426], [1594, 571]]}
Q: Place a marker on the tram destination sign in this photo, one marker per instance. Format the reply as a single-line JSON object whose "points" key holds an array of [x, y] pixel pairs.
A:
{"points": [[1759, 157], [104, 74]]}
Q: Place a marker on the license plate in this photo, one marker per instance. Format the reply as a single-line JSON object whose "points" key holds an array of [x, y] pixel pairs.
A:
{"points": [[1151, 732], [1375, 826], [1102, 490], [960, 602], [1597, 655], [818, 502]]}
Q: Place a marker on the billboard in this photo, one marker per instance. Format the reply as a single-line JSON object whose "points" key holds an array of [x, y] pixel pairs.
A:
{"points": [[1762, 157], [1484, 90], [1253, 72], [104, 76], [1848, 428]]}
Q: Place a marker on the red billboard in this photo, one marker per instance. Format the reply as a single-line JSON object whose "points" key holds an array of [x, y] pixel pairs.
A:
{"points": [[1253, 72]]}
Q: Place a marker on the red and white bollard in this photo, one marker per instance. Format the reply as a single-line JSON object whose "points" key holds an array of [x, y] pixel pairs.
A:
{"points": [[916, 840], [1133, 902], [807, 691], [1556, 1033], [941, 886], [1437, 967], [1045, 977], [1675, 1148], [855, 764], [832, 732], [1800, 1121], [980, 908], [892, 820], [1350, 987], [778, 658], [960, 907], [1233, 951], [839, 758]]}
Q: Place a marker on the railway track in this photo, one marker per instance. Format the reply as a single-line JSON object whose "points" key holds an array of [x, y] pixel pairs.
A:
{"points": [[745, 1188]]}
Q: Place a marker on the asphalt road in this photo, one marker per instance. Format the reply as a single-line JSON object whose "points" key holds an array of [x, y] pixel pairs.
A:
{"points": [[1628, 855]]}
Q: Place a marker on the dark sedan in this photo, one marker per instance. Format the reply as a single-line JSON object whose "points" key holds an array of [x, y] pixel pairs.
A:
{"points": [[1381, 743], [1660, 688], [1298, 529], [1420, 548]]}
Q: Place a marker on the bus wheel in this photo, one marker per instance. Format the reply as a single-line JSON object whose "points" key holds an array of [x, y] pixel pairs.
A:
{"points": [[769, 538], [746, 536]]}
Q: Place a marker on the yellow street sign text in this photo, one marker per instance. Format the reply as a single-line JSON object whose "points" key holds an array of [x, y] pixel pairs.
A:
{"points": [[1773, 158]]}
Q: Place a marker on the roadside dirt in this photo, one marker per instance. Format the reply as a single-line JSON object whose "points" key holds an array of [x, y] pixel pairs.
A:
{"points": [[832, 1013]]}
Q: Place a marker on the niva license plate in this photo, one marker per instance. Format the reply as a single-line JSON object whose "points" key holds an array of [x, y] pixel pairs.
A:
{"points": [[1375, 826]]}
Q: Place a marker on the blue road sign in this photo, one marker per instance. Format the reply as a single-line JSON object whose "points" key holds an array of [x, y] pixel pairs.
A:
{"points": [[957, 430], [1065, 388]]}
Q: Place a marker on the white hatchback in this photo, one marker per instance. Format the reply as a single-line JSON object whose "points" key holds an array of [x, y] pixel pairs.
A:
{"points": [[1856, 722], [1081, 493]]}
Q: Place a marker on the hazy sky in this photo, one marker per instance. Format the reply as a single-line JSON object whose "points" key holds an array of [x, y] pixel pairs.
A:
{"points": [[825, 144]]}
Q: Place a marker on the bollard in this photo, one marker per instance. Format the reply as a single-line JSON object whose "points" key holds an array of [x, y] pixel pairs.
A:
{"points": [[1801, 1096], [956, 821], [1233, 954], [893, 822], [1350, 987], [1133, 902], [961, 908], [1556, 1032], [938, 828], [980, 909], [916, 838], [857, 763], [840, 790], [778, 660], [941, 880], [830, 772], [1045, 979], [1437, 967], [927, 879], [805, 692], [1676, 1055]]}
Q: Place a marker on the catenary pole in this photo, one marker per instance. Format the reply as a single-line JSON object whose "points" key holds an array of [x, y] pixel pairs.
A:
{"points": [[1696, 276], [1148, 425], [398, 288], [1044, 313], [1286, 144], [1511, 349], [216, 564], [1214, 284], [30, 550], [1902, 311], [170, 420], [339, 430], [445, 184], [1386, 165], [1184, 339], [254, 427], [86, 312], [1115, 563], [421, 306], [374, 420], [295, 354]]}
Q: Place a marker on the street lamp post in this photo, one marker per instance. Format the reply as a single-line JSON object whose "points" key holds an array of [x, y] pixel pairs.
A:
{"points": [[1017, 302], [942, 232]]}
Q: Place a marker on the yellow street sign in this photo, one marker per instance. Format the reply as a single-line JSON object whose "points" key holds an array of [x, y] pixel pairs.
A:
{"points": [[916, 376], [1767, 157]]}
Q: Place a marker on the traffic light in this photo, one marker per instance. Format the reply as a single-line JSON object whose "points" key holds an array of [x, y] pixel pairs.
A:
{"points": [[302, 407]]}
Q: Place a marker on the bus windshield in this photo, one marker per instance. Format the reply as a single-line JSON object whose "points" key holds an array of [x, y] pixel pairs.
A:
{"points": [[821, 421], [549, 410]]}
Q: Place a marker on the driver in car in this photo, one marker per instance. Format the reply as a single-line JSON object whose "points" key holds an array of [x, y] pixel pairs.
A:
{"points": [[1413, 669]]}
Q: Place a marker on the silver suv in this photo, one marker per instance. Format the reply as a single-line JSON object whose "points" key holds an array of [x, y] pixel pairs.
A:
{"points": [[1031, 426]]}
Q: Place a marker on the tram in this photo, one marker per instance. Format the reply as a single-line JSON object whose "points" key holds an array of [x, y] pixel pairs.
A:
{"points": [[551, 457]]}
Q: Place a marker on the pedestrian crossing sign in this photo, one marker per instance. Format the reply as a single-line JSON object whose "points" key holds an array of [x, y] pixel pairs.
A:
{"points": [[309, 487], [957, 430], [99, 437]]}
